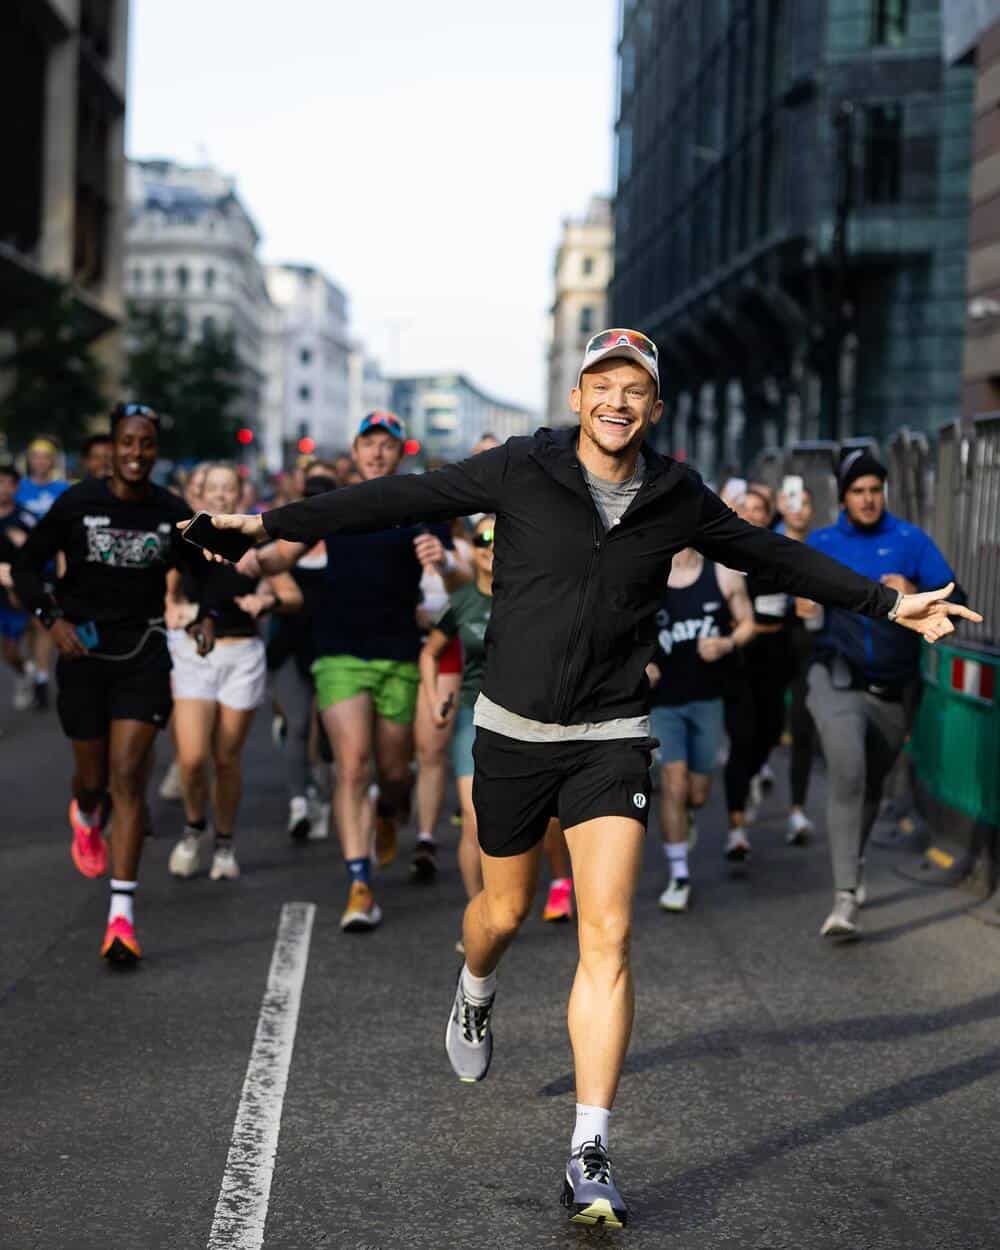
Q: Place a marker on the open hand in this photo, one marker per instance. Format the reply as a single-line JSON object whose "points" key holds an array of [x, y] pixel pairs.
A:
{"points": [[930, 614]]}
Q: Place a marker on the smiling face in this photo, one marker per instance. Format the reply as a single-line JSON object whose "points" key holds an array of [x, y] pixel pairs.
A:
{"points": [[616, 402], [377, 454], [864, 500], [135, 447], [221, 492]]}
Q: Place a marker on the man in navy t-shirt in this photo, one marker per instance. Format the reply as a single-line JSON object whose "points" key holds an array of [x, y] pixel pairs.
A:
{"points": [[367, 643]]}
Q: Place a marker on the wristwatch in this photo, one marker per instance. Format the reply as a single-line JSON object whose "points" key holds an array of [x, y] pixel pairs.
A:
{"points": [[48, 615], [894, 610]]}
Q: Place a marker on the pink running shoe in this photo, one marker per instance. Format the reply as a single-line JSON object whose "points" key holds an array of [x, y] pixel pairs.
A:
{"points": [[120, 945], [559, 904], [88, 849]]}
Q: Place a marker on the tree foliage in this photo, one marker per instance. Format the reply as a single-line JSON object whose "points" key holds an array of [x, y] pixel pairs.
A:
{"points": [[56, 381], [195, 385]]}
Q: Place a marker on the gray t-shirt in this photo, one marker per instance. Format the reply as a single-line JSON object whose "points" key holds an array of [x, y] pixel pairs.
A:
{"points": [[612, 498]]}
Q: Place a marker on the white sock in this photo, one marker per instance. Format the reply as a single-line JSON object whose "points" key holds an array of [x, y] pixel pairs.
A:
{"points": [[677, 858], [425, 837], [591, 1122], [479, 989], [122, 897]]}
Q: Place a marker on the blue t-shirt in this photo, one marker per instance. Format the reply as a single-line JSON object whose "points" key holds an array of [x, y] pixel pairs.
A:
{"points": [[38, 499], [884, 652], [371, 590]]}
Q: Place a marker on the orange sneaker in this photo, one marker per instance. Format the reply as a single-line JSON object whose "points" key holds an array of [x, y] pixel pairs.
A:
{"points": [[559, 904], [120, 944], [89, 851], [362, 913], [386, 840]]}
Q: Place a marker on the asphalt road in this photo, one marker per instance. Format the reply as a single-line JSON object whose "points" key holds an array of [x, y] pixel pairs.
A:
{"points": [[780, 1092]]}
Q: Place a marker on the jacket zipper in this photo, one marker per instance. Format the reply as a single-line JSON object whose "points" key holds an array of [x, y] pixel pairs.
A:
{"points": [[562, 710]]}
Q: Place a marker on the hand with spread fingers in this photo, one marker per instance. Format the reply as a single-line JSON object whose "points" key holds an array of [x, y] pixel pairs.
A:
{"points": [[929, 614]]}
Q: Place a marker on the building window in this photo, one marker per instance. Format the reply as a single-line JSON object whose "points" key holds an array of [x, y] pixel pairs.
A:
{"points": [[305, 393], [209, 279], [624, 152], [305, 356], [889, 22], [182, 277], [587, 320], [883, 170], [158, 278], [588, 266]]}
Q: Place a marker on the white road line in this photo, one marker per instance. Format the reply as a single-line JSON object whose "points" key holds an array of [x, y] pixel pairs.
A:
{"points": [[241, 1211]]}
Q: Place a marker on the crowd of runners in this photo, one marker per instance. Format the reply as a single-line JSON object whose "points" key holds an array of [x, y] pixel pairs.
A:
{"points": [[569, 625]]}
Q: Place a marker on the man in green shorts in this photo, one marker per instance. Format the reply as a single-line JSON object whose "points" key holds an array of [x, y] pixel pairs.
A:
{"points": [[367, 678]]}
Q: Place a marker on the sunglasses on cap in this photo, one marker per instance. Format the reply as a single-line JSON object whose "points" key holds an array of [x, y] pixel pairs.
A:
{"points": [[382, 421], [483, 539], [121, 411], [623, 338]]}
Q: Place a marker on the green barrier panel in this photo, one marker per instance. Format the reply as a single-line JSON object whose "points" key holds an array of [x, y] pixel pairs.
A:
{"points": [[956, 738]]}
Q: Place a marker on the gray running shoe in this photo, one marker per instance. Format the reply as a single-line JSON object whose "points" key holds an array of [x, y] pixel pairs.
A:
{"points": [[589, 1191], [468, 1038], [842, 922]]}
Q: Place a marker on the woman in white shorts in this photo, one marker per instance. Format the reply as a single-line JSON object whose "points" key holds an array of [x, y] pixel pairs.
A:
{"points": [[215, 699]]}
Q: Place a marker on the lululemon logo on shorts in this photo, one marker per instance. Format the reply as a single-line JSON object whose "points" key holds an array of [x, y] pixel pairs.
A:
{"points": [[639, 800]]}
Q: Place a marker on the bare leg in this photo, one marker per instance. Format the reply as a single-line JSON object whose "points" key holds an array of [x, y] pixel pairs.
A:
{"points": [[231, 729], [674, 802], [90, 773], [468, 848], [494, 916], [556, 851], [349, 726], [194, 720], [432, 756], [130, 743], [607, 855], [393, 754]]}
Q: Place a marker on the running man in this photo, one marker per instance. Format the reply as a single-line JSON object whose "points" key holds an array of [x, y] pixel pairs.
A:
{"points": [[95, 456], [36, 493], [862, 676], [119, 537], [689, 673], [588, 521]]}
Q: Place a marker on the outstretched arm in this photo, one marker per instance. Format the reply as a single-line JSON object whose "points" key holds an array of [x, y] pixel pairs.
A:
{"points": [[472, 485]]}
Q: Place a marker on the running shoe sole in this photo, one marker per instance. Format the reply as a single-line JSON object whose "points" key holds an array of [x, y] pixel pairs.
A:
{"points": [[361, 922], [559, 917], [299, 832], [799, 838], [738, 854], [121, 955], [594, 1214], [423, 869]]}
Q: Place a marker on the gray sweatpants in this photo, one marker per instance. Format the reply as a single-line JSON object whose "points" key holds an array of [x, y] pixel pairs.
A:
{"points": [[862, 737]]}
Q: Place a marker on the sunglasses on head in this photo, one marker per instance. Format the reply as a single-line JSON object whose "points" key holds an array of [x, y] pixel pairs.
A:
{"points": [[385, 419], [134, 410], [623, 338], [483, 539]]}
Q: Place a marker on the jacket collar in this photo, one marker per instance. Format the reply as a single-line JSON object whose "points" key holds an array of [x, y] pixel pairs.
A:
{"points": [[886, 522], [555, 451]]}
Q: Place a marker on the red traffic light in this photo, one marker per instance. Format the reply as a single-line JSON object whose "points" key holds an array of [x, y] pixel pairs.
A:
{"points": [[244, 437], [411, 447], [307, 445]]}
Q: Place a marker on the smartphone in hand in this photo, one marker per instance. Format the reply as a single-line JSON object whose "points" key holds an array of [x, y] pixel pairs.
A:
{"points": [[230, 544]]}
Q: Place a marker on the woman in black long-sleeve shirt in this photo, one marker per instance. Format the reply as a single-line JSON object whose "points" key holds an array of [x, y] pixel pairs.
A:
{"points": [[119, 538]]}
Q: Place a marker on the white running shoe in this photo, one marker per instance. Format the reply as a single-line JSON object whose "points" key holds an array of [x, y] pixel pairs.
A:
{"points": [[319, 816], [24, 692], [737, 846], [299, 823], [677, 895], [842, 922], [183, 861], [800, 829], [224, 865], [170, 786]]}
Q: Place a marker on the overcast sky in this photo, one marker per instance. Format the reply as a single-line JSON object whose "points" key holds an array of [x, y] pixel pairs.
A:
{"points": [[422, 154]]}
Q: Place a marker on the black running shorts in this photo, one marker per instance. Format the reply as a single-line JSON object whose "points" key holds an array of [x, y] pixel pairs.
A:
{"points": [[94, 692], [518, 786]]}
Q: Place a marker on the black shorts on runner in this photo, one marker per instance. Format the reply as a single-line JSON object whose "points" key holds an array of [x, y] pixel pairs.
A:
{"points": [[94, 692], [519, 786]]}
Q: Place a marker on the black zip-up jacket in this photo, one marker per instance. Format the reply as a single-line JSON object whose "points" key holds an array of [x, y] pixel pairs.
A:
{"points": [[573, 621]]}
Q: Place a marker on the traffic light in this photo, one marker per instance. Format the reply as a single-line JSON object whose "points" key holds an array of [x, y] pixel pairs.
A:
{"points": [[244, 437], [306, 445], [411, 447]]}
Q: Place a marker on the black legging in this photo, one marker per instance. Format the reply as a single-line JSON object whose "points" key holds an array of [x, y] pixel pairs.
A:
{"points": [[755, 714]]}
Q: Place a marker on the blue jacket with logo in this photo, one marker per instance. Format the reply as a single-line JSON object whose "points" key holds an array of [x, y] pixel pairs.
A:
{"points": [[882, 651]]}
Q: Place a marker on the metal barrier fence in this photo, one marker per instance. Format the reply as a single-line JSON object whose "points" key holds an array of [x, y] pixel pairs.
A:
{"points": [[952, 490]]}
